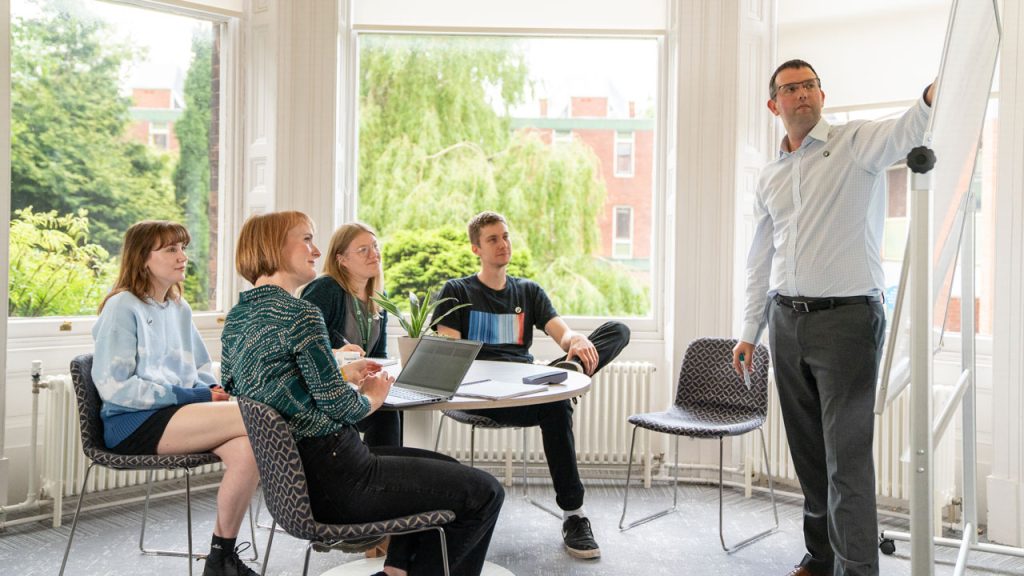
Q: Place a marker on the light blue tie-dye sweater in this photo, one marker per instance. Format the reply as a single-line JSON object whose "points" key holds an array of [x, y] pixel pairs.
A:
{"points": [[148, 356]]}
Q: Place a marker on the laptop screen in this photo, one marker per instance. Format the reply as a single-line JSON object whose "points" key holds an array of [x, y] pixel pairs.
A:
{"points": [[438, 364]]}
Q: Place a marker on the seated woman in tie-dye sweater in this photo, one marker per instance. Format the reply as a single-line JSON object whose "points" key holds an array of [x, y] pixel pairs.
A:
{"points": [[154, 376]]}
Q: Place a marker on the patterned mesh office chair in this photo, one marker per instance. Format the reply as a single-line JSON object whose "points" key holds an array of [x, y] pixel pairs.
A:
{"points": [[712, 401], [287, 498], [479, 421], [89, 404]]}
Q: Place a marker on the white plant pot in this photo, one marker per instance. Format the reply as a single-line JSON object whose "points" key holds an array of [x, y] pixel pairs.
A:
{"points": [[405, 348]]}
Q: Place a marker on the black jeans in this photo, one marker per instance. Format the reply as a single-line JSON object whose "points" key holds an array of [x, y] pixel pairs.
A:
{"points": [[555, 421], [382, 428], [350, 483]]}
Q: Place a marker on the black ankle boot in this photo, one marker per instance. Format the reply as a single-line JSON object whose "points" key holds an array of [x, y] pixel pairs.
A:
{"points": [[223, 562]]}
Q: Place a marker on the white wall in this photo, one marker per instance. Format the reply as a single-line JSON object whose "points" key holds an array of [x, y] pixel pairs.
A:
{"points": [[868, 58]]}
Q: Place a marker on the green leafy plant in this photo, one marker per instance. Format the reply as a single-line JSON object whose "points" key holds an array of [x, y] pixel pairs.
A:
{"points": [[421, 314], [55, 269]]}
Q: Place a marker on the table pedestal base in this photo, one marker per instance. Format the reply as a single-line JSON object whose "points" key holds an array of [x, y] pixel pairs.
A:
{"points": [[368, 566]]}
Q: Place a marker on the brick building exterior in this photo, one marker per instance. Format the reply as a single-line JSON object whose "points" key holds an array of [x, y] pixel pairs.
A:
{"points": [[624, 145]]}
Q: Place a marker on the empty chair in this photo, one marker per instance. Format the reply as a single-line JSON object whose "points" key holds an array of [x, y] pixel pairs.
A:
{"points": [[287, 497], [712, 401], [95, 450]]}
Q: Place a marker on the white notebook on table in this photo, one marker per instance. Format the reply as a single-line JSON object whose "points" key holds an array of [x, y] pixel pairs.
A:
{"points": [[498, 389]]}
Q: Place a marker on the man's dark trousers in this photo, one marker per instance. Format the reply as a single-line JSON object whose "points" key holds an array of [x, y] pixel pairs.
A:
{"points": [[826, 366]]}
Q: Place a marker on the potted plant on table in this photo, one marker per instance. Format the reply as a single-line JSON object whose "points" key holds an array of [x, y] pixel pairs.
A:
{"points": [[418, 321]]}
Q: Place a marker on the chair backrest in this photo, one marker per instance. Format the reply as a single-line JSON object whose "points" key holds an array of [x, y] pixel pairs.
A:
{"points": [[707, 377], [89, 405], [280, 466]]}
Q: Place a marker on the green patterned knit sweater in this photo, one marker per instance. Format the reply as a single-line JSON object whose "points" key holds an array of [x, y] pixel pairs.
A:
{"points": [[275, 350]]}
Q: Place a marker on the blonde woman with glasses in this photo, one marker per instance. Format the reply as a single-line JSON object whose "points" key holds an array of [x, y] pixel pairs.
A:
{"points": [[355, 324]]}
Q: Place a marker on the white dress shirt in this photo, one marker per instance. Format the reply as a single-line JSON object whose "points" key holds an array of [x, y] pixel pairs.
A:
{"points": [[819, 213]]}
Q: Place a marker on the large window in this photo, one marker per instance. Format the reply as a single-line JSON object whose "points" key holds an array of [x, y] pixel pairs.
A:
{"points": [[532, 127], [113, 121]]}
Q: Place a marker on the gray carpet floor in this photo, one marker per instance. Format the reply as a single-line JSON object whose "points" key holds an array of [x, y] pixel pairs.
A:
{"points": [[526, 541]]}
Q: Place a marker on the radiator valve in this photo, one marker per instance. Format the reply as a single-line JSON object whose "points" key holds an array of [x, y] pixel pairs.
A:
{"points": [[37, 372]]}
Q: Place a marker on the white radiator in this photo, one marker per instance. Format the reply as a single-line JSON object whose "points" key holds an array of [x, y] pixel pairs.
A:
{"points": [[64, 463], [620, 390], [892, 437]]}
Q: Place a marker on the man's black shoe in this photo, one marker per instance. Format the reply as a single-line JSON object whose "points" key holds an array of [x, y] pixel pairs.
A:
{"points": [[579, 539], [570, 365]]}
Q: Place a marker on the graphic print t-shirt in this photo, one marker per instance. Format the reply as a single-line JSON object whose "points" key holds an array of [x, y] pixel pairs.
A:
{"points": [[502, 319]]}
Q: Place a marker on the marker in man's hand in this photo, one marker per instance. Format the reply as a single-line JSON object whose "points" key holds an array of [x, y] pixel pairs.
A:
{"points": [[746, 373]]}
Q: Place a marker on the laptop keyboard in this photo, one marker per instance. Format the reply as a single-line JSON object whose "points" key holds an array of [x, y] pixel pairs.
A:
{"points": [[406, 394]]}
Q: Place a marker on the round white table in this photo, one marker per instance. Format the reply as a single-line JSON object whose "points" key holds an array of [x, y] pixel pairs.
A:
{"points": [[418, 430], [575, 384]]}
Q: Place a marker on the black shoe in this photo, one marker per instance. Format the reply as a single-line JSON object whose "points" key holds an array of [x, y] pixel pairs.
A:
{"points": [[227, 563], [579, 539], [570, 365]]}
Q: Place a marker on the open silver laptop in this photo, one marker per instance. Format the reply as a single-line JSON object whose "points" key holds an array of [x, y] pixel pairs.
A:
{"points": [[434, 371]]}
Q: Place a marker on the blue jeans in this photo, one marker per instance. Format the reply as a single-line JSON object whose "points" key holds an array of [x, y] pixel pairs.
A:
{"points": [[350, 483]]}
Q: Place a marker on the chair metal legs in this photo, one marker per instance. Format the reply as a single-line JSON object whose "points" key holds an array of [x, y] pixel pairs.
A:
{"points": [[526, 482], [675, 495], [625, 502], [188, 506], [189, 554], [526, 477], [771, 492], [270, 542], [310, 544]]}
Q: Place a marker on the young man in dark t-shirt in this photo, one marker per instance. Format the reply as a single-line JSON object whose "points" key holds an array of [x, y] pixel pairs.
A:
{"points": [[504, 312]]}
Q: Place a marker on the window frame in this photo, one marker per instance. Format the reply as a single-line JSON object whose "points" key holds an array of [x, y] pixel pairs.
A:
{"points": [[616, 241], [631, 140], [346, 189], [164, 130], [38, 331]]}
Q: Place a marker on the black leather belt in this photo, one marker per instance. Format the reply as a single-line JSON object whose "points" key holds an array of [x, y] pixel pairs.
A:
{"points": [[804, 304]]}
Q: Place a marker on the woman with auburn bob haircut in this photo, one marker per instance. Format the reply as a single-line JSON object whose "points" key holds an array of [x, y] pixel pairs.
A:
{"points": [[276, 350], [154, 375], [355, 323]]}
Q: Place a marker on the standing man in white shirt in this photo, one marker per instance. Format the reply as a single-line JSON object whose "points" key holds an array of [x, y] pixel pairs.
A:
{"points": [[814, 276]]}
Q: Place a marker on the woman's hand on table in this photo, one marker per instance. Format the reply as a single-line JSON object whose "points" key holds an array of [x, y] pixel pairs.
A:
{"points": [[355, 372]]}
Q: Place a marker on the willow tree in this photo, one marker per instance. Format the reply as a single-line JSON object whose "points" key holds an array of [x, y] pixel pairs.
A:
{"points": [[436, 147]]}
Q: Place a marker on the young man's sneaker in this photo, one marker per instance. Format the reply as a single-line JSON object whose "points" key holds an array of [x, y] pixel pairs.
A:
{"points": [[579, 539], [222, 562], [569, 365]]}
